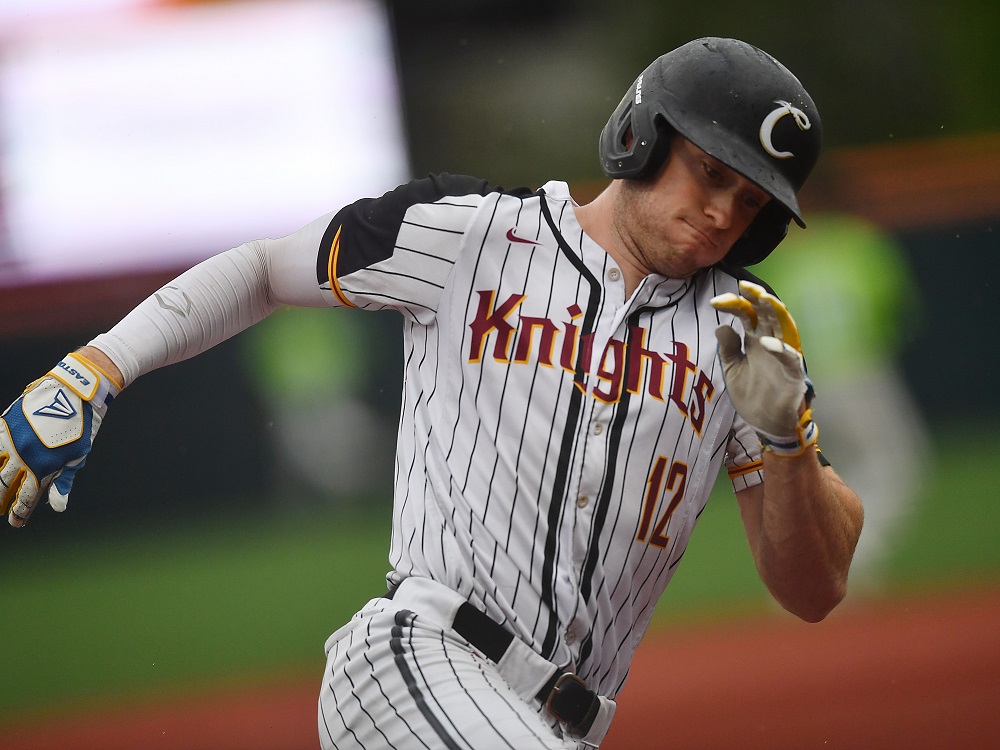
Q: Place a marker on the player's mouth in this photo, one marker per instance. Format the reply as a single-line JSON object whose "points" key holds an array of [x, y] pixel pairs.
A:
{"points": [[701, 236]]}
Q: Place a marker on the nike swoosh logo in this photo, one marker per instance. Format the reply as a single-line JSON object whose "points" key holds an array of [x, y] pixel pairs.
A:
{"points": [[514, 238]]}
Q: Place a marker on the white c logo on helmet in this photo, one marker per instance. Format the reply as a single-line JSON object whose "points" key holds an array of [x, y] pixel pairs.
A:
{"points": [[784, 108]]}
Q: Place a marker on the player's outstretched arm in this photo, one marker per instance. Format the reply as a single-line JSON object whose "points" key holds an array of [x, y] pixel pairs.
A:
{"points": [[803, 522], [47, 433]]}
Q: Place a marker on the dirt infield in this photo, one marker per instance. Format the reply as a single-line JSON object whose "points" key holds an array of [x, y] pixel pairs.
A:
{"points": [[913, 674]]}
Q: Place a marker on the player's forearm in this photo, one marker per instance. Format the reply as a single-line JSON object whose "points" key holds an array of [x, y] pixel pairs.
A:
{"points": [[213, 301], [103, 363], [199, 309], [217, 299], [810, 524]]}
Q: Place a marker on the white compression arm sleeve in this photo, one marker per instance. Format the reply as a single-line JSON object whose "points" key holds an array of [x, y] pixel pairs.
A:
{"points": [[215, 300]]}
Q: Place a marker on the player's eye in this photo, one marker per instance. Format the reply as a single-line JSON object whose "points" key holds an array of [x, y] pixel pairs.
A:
{"points": [[711, 172], [755, 199]]}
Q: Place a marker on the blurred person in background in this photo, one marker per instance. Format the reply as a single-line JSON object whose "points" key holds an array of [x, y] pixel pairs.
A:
{"points": [[330, 410], [856, 302]]}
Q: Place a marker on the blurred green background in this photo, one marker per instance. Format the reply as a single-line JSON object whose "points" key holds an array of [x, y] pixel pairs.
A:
{"points": [[190, 556]]}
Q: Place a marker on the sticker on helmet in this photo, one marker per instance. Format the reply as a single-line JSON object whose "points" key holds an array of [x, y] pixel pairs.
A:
{"points": [[767, 127]]}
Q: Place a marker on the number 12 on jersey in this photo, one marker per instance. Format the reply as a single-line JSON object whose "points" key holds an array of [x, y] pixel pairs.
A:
{"points": [[676, 480]]}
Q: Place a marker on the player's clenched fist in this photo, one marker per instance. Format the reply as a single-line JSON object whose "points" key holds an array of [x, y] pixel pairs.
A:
{"points": [[46, 434], [765, 372]]}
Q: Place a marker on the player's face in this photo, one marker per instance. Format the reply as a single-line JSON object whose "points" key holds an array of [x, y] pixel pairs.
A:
{"points": [[688, 216]]}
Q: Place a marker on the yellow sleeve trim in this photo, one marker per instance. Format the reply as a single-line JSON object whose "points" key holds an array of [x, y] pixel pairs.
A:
{"points": [[738, 471], [332, 273]]}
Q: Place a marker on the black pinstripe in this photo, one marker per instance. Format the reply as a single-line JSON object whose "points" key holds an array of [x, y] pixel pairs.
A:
{"points": [[403, 619], [566, 443], [340, 714]]}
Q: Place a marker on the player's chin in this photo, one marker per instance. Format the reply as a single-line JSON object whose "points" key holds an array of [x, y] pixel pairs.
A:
{"points": [[709, 257], [684, 254], [697, 259], [700, 249], [681, 270]]}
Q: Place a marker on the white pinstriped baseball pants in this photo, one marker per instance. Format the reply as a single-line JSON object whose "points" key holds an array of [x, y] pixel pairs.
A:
{"points": [[395, 679]]}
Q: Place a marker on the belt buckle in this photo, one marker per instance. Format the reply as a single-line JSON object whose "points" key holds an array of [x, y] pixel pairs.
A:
{"points": [[571, 701]]}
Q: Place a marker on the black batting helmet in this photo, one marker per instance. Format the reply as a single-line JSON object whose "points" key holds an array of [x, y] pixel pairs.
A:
{"points": [[732, 101]]}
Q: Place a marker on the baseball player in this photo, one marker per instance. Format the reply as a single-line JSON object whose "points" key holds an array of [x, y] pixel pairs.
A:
{"points": [[576, 376]]}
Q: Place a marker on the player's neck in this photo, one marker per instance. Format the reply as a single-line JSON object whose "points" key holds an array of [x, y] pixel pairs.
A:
{"points": [[597, 221]]}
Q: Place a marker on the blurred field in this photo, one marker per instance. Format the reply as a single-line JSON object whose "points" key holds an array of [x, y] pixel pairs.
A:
{"points": [[164, 612], [916, 672]]}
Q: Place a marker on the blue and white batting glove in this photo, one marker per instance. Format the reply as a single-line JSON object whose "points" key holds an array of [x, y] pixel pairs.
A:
{"points": [[46, 434], [765, 372]]}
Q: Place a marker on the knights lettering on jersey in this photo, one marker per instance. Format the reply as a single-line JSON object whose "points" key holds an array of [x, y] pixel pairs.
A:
{"points": [[519, 339]]}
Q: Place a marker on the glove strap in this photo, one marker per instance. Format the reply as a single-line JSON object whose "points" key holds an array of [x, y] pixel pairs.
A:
{"points": [[86, 380], [806, 435]]}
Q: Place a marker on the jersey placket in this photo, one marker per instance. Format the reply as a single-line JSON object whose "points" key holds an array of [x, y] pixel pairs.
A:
{"points": [[592, 443]]}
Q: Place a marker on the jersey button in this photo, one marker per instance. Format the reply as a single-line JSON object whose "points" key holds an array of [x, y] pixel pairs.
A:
{"points": [[582, 501], [598, 428], [614, 274]]}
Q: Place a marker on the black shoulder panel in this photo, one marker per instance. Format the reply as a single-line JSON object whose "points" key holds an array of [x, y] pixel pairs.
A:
{"points": [[366, 230]]}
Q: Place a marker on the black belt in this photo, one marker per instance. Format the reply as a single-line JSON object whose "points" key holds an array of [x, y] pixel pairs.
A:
{"points": [[565, 695]]}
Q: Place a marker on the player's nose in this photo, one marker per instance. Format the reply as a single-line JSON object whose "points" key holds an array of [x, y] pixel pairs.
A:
{"points": [[721, 208]]}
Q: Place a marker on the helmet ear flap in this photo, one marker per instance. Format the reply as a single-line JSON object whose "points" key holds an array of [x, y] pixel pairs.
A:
{"points": [[764, 234], [662, 135], [623, 132], [635, 141]]}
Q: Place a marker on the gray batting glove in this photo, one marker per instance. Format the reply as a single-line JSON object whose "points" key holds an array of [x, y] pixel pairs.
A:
{"points": [[46, 434], [765, 372]]}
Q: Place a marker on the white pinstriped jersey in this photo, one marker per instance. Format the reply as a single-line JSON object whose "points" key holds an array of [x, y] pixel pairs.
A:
{"points": [[557, 441]]}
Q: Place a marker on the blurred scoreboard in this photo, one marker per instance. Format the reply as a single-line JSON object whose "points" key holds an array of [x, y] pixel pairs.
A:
{"points": [[140, 136]]}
